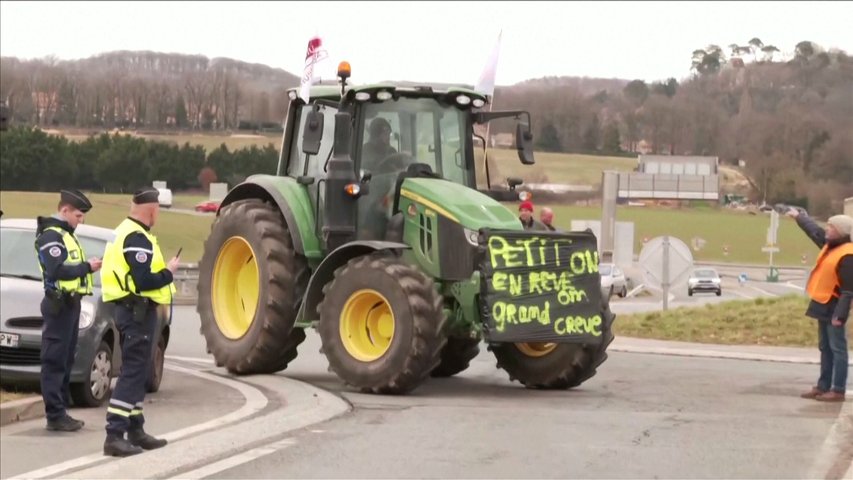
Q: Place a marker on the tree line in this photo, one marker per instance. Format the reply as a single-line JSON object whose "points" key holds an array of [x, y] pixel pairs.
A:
{"points": [[33, 160], [789, 119]]}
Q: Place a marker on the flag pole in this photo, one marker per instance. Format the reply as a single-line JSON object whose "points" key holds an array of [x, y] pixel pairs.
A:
{"points": [[486, 84]]}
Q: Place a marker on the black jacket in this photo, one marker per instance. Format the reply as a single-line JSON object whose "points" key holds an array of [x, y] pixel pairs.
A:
{"points": [[837, 307]]}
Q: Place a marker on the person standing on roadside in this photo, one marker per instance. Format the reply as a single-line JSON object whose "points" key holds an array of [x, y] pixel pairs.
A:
{"points": [[137, 280], [67, 277], [830, 288]]}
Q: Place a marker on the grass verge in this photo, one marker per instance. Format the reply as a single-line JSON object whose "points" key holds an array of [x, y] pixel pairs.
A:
{"points": [[775, 321]]}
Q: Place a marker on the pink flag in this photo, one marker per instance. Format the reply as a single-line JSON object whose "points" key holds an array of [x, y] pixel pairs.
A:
{"points": [[486, 83], [312, 56]]}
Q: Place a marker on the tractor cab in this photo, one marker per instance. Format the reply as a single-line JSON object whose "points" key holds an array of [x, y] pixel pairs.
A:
{"points": [[356, 145]]}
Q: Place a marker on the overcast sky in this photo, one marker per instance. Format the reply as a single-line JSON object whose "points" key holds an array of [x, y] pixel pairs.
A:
{"points": [[427, 41]]}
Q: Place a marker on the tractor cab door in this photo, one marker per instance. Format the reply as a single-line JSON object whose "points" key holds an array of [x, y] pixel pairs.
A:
{"points": [[304, 165]]}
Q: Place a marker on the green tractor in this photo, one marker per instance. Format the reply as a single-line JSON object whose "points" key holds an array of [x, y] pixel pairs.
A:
{"points": [[374, 233]]}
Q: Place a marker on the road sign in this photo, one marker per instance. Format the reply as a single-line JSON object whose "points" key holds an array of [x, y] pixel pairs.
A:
{"points": [[666, 262], [774, 228]]}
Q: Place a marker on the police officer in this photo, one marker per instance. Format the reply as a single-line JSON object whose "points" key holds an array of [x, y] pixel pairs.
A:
{"points": [[137, 279], [67, 276]]}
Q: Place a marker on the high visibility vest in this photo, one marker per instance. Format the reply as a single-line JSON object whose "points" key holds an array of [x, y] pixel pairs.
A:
{"points": [[116, 280], [76, 256], [823, 282]]}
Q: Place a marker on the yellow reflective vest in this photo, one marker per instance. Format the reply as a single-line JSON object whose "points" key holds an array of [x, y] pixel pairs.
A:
{"points": [[116, 280], [76, 256]]}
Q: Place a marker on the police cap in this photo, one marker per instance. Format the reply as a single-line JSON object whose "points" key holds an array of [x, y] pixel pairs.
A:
{"points": [[76, 199], [146, 195]]}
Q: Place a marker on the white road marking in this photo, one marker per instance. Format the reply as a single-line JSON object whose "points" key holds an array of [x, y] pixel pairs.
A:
{"points": [[235, 461], [191, 359], [765, 292], [741, 294], [791, 285], [836, 444], [255, 402]]}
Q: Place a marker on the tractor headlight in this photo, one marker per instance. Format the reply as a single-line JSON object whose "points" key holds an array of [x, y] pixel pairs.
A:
{"points": [[383, 95], [87, 315], [472, 236]]}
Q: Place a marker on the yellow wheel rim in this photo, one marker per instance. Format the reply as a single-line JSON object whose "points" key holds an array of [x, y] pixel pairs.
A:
{"points": [[236, 288], [536, 349], [367, 325]]}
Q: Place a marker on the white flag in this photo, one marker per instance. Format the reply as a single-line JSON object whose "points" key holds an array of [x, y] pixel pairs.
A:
{"points": [[486, 83], [312, 56]]}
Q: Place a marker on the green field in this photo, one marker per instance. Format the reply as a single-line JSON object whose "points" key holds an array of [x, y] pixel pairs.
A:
{"points": [[777, 321], [173, 230], [560, 168], [744, 234]]}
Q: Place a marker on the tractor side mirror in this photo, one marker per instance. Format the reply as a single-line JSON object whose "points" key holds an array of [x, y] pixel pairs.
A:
{"points": [[524, 143], [513, 182], [313, 133]]}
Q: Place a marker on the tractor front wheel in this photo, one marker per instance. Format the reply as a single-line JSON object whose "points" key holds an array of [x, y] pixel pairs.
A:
{"points": [[381, 324], [554, 365], [250, 282]]}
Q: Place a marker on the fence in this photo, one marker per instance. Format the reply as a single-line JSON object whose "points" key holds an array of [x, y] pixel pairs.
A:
{"points": [[186, 280], [669, 186]]}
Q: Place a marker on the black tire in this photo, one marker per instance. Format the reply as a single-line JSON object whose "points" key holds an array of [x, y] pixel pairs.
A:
{"points": [[689, 292], [456, 356], [624, 292], [96, 389], [566, 366], [719, 292], [414, 348], [270, 342], [159, 357]]}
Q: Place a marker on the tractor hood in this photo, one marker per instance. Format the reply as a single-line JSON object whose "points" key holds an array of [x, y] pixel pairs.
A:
{"points": [[463, 205]]}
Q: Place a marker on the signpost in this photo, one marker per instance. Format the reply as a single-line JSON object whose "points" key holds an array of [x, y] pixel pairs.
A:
{"points": [[666, 262], [771, 248]]}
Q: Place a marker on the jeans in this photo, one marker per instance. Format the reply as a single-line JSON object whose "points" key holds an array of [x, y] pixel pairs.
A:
{"points": [[832, 341]]}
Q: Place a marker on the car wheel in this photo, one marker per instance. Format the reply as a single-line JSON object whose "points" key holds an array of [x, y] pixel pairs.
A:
{"points": [[624, 292], [689, 292], [719, 292], [156, 375], [96, 388]]}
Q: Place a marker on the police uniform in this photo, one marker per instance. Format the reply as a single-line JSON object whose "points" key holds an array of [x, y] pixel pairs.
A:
{"points": [[134, 277], [67, 276]]}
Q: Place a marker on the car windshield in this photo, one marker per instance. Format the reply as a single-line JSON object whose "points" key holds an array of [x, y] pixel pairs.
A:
{"points": [[605, 270], [18, 256], [705, 274]]}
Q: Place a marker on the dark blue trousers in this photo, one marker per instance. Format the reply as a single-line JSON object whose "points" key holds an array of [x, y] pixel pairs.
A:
{"points": [[125, 409], [58, 347]]}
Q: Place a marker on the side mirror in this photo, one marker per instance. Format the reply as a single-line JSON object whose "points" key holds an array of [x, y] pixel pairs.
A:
{"points": [[313, 133], [524, 143], [513, 182]]}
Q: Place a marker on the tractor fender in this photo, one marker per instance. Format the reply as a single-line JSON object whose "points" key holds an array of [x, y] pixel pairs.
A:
{"points": [[293, 202], [325, 272]]}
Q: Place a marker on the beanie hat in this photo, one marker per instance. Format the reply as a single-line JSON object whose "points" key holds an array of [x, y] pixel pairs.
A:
{"points": [[842, 223], [526, 205]]}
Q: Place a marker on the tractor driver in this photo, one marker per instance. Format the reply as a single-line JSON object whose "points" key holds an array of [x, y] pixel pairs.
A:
{"points": [[378, 146]]}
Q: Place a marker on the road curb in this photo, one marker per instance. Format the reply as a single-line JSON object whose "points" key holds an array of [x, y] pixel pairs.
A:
{"points": [[20, 410]]}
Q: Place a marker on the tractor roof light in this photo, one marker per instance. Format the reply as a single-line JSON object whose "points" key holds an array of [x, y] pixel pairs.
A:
{"points": [[479, 102], [362, 96], [463, 100], [383, 95], [344, 70]]}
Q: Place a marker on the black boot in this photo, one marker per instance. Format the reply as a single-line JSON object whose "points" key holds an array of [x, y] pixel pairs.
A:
{"points": [[115, 446], [142, 439], [64, 424]]}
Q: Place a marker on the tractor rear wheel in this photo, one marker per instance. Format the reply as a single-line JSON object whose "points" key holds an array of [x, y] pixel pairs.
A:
{"points": [[381, 324], [250, 283], [555, 365], [456, 356]]}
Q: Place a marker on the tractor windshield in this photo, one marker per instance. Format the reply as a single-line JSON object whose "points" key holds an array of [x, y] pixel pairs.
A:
{"points": [[414, 130]]}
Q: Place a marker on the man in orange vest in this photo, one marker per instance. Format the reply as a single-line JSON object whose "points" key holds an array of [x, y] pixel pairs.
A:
{"points": [[830, 288]]}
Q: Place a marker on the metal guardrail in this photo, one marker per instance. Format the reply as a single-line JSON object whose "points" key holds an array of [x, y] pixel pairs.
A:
{"points": [[186, 280]]}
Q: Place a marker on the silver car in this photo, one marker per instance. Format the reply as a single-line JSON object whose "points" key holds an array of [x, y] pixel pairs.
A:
{"points": [[613, 280], [704, 280], [98, 356]]}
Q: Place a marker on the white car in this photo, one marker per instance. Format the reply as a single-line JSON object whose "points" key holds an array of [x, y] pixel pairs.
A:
{"points": [[613, 280], [704, 280]]}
